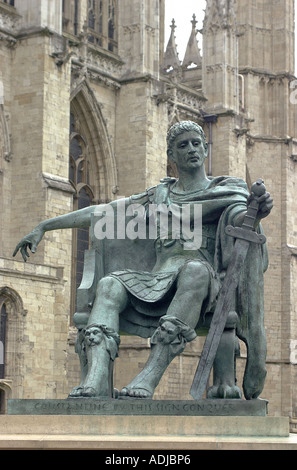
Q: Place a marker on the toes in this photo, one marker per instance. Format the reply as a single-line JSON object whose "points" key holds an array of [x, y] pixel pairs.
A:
{"points": [[89, 392], [76, 392], [135, 393]]}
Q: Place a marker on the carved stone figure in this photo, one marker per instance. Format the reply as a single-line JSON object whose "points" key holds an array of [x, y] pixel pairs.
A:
{"points": [[174, 298]]}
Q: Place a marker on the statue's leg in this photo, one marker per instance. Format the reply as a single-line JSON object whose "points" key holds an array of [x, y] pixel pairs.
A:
{"points": [[101, 337], [175, 330], [192, 290], [110, 300], [81, 351], [224, 376], [102, 347], [168, 341]]}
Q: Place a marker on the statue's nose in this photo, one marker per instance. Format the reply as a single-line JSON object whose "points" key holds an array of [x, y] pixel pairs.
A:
{"points": [[192, 149]]}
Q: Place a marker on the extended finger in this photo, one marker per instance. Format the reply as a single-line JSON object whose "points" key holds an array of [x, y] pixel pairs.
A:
{"points": [[24, 252], [26, 249], [16, 250]]}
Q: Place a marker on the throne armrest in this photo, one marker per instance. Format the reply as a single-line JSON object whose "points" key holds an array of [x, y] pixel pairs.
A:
{"points": [[92, 272]]}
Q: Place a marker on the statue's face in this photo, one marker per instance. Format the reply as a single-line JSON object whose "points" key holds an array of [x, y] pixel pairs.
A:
{"points": [[93, 336], [188, 150]]}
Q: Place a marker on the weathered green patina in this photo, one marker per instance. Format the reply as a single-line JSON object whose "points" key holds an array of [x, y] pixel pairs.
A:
{"points": [[167, 288]]}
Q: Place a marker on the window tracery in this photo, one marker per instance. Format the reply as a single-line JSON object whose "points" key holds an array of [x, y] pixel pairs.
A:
{"points": [[102, 23], [12, 320], [3, 318], [100, 19]]}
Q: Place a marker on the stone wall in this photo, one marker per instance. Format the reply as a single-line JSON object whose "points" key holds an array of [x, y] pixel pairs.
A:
{"points": [[124, 105]]}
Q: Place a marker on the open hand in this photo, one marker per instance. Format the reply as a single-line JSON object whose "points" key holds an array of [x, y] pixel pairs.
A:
{"points": [[30, 241]]}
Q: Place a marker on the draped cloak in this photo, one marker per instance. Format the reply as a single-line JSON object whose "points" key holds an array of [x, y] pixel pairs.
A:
{"points": [[151, 291]]}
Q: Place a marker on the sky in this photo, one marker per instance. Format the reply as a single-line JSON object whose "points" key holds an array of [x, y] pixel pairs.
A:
{"points": [[182, 11]]}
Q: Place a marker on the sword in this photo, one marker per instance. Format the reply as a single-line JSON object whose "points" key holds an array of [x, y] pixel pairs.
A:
{"points": [[244, 235]]}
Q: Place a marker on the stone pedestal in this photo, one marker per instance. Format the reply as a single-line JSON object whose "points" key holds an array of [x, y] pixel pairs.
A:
{"points": [[137, 425]]}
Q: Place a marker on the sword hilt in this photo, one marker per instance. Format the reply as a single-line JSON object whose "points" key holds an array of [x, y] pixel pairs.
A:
{"points": [[244, 232], [257, 189]]}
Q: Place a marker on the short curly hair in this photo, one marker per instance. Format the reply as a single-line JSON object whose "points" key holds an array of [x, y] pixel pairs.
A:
{"points": [[179, 128]]}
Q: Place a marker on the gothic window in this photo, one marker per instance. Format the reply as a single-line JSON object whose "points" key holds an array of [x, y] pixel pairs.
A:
{"points": [[100, 17], [102, 23], [12, 325], [3, 316], [79, 175], [70, 13], [111, 23]]}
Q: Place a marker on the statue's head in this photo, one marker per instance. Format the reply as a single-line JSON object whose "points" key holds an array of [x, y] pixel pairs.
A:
{"points": [[177, 136]]}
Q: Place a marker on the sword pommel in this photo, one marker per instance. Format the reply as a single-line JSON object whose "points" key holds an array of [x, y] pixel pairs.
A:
{"points": [[258, 188]]}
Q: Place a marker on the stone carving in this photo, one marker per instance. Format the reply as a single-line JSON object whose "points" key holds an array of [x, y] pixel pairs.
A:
{"points": [[165, 286]]}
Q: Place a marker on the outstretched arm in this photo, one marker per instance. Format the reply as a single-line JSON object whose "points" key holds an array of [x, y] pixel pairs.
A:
{"points": [[76, 219]]}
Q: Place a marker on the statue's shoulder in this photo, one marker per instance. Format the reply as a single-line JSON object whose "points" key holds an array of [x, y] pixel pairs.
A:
{"points": [[222, 181], [161, 191], [144, 196], [154, 192], [168, 180]]}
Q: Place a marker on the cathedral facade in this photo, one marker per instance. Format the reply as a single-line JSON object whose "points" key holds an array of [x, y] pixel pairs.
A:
{"points": [[88, 90]]}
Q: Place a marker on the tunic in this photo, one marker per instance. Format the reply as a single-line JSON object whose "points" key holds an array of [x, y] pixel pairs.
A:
{"points": [[151, 292]]}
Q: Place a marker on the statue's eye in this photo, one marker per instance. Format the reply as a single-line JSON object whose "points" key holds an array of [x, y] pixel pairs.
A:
{"points": [[182, 145]]}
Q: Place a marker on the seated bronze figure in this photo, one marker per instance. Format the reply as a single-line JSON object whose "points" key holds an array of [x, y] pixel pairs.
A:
{"points": [[166, 287]]}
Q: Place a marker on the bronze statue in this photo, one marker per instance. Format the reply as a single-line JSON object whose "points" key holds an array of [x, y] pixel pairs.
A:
{"points": [[171, 301]]}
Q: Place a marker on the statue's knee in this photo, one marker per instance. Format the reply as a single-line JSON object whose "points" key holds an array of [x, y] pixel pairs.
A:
{"points": [[108, 286], [111, 292], [194, 273]]}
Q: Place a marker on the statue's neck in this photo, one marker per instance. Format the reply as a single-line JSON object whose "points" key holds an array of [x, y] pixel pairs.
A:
{"points": [[192, 180]]}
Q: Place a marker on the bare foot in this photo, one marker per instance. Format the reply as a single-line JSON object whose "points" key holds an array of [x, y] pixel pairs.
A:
{"points": [[135, 392]]}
